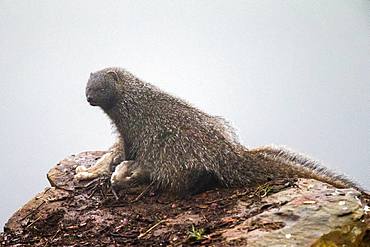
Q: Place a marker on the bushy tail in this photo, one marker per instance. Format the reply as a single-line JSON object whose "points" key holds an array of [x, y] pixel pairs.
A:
{"points": [[283, 162]]}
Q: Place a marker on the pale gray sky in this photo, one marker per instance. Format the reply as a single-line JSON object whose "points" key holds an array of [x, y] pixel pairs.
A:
{"points": [[285, 72]]}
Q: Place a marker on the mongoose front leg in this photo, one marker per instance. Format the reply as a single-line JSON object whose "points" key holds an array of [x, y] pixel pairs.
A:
{"points": [[104, 165]]}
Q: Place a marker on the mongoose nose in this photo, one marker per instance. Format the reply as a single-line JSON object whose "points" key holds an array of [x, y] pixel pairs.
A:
{"points": [[91, 100], [88, 98]]}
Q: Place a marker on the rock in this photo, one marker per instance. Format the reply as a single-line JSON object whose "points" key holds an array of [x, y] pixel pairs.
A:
{"points": [[310, 213], [281, 213]]}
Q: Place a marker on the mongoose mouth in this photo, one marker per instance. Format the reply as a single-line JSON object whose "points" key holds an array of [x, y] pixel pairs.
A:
{"points": [[91, 101]]}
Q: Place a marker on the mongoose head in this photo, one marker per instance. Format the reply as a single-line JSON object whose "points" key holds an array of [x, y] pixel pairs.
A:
{"points": [[101, 89]]}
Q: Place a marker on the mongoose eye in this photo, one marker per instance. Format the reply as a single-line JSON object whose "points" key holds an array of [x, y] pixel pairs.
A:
{"points": [[99, 89]]}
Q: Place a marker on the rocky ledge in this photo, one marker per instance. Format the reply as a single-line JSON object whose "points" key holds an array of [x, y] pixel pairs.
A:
{"points": [[281, 213]]}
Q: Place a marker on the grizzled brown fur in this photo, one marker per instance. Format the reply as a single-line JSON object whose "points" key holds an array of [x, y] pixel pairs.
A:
{"points": [[181, 148]]}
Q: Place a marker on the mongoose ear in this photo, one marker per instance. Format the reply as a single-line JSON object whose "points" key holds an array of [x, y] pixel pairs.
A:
{"points": [[114, 74]]}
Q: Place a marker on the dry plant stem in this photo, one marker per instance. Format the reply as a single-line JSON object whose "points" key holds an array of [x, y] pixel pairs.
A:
{"points": [[42, 203], [143, 192], [150, 229]]}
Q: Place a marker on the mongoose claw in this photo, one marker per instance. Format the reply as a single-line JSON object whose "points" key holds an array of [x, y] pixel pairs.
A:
{"points": [[118, 178], [116, 195]]}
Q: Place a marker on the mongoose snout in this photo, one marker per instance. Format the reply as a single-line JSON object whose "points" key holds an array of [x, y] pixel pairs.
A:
{"points": [[100, 90]]}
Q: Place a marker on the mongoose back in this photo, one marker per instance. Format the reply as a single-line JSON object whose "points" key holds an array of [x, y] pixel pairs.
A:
{"points": [[181, 148]]}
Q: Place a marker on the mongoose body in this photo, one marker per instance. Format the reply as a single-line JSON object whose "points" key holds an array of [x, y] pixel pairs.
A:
{"points": [[181, 148]]}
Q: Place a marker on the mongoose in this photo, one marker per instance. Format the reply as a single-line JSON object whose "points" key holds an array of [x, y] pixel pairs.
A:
{"points": [[180, 148]]}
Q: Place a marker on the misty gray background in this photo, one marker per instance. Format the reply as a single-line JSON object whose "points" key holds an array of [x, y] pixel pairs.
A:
{"points": [[286, 72]]}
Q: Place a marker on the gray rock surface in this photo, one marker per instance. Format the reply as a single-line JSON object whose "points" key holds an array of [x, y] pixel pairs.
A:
{"points": [[308, 212]]}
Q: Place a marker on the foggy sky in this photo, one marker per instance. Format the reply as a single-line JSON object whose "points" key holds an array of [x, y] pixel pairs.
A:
{"points": [[284, 72]]}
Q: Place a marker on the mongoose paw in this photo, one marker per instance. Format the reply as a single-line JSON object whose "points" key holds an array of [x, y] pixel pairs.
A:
{"points": [[122, 174], [84, 175], [102, 167], [80, 169], [120, 177], [128, 174]]}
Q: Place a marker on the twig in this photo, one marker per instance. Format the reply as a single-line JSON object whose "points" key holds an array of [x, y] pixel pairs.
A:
{"points": [[93, 190], [89, 183], [62, 198], [34, 210], [34, 222], [52, 239], [150, 229], [143, 192], [62, 188]]}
